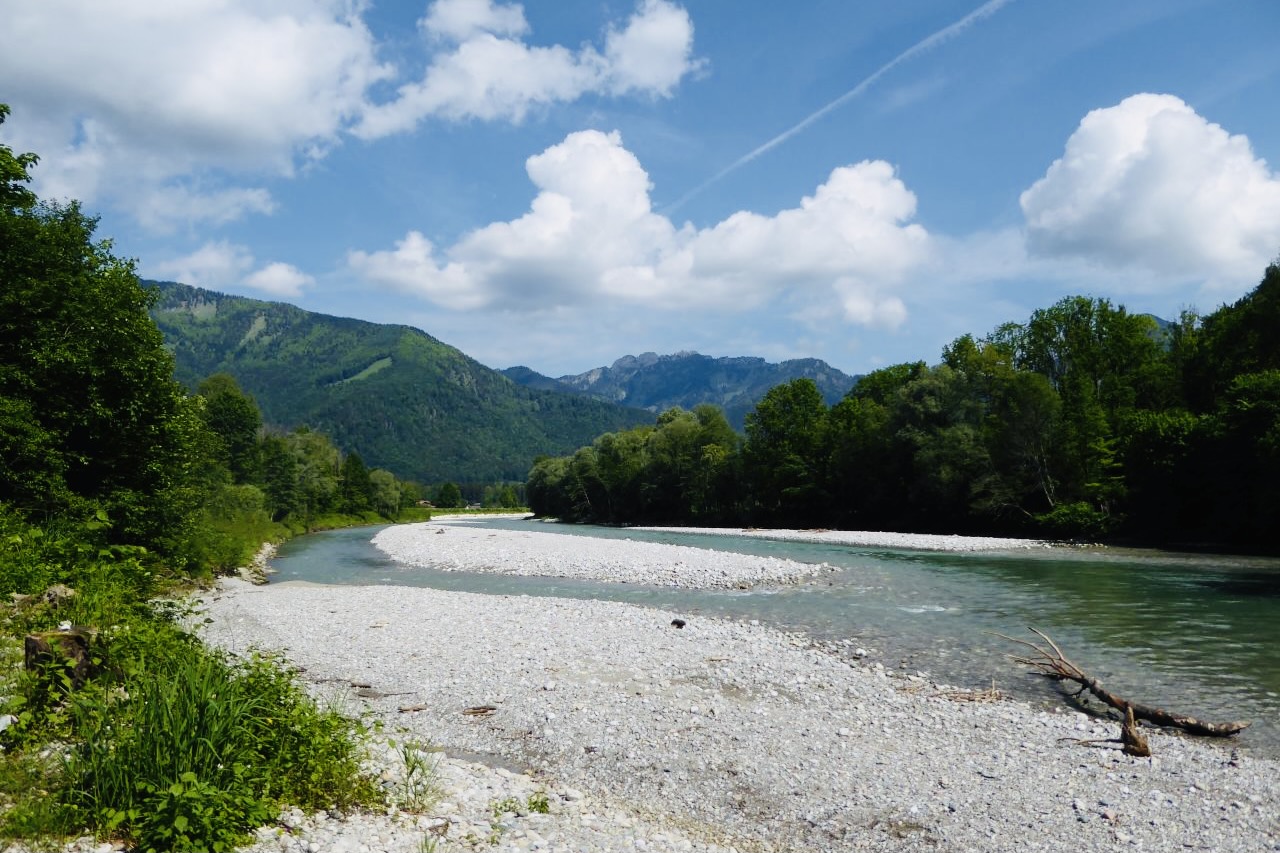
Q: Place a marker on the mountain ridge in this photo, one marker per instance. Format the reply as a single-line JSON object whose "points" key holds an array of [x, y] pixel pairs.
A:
{"points": [[402, 399], [658, 382]]}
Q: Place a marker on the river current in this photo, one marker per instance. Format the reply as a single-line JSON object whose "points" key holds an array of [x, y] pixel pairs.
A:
{"points": [[1194, 634]]}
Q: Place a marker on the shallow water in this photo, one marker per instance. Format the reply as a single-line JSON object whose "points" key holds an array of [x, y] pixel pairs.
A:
{"points": [[1190, 633]]}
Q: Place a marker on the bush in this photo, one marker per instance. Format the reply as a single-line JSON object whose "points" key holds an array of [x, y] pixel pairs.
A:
{"points": [[1075, 521], [202, 749]]}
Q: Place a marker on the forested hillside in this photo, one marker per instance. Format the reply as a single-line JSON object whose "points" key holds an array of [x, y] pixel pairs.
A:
{"points": [[1083, 421], [398, 397], [688, 379]]}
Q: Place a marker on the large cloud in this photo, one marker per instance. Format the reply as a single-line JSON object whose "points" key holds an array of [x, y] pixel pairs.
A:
{"points": [[591, 235], [1150, 184], [178, 111], [133, 100], [489, 72]]}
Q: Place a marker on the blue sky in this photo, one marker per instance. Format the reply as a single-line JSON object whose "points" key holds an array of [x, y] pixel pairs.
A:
{"points": [[558, 184]]}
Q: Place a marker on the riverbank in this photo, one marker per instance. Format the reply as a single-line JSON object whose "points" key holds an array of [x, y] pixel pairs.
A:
{"points": [[720, 735], [870, 539]]}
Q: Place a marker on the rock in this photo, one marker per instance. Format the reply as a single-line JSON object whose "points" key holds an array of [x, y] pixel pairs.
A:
{"points": [[47, 651]]}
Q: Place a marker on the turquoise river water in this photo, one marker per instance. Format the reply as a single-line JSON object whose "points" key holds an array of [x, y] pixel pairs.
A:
{"points": [[1190, 633]]}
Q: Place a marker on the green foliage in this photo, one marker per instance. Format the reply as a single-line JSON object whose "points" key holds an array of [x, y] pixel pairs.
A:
{"points": [[356, 488], [419, 790], [680, 469], [1078, 520], [1085, 422], [449, 496], [116, 484], [14, 172], [90, 415], [233, 418], [172, 745], [784, 452]]}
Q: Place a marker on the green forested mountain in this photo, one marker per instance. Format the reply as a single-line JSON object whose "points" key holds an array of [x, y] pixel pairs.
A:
{"points": [[689, 379], [398, 397]]}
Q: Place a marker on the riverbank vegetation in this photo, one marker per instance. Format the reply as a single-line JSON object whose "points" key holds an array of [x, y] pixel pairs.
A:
{"points": [[1085, 421], [118, 489]]}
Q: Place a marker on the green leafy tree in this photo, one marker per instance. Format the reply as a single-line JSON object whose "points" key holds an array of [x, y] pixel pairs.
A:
{"points": [[318, 463], [620, 460], [1237, 339], [356, 487], [233, 417], [281, 477], [89, 412], [784, 452], [15, 172], [449, 496], [1104, 363], [385, 492]]}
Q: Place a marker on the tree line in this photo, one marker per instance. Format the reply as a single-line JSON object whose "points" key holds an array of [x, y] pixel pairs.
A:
{"points": [[1085, 421]]}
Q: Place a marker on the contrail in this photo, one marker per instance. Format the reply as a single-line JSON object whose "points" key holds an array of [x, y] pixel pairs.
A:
{"points": [[925, 45]]}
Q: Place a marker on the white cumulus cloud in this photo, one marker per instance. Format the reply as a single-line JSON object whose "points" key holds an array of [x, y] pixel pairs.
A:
{"points": [[131, 100], [220, 265], [179, 112], [591, 235], [490, 72], [216, 264], [460, 20], [279, 279], [1152, 185]]}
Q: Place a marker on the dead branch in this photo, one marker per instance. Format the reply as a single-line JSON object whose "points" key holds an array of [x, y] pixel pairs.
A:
{"points": [[1132, 741], [1049, 661]]}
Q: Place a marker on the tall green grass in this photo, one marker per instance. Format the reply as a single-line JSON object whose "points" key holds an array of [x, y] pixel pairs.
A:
{"points": [[172, 745], [202, 749]]}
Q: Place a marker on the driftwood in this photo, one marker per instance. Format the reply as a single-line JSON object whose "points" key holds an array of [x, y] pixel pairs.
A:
{"points": [[1049, 661]]}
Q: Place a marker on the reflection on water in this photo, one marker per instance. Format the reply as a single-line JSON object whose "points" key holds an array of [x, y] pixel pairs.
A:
{"points": [[1191, 633]]}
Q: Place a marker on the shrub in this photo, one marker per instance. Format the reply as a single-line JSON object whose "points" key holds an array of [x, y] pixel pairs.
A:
{"points": [[1075, 521]]}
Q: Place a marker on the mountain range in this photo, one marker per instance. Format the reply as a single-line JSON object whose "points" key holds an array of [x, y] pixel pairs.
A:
{"points": [[424, 410], [658, 382], [397, 396]]}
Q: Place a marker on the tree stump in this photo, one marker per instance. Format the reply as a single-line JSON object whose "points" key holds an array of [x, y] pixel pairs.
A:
{"points": [[51, 654]]}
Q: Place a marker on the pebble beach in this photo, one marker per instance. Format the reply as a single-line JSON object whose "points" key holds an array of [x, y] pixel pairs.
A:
{"points": [[566, 725]]}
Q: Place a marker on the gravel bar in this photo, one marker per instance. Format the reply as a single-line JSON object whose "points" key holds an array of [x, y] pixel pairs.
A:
{"points": [[714, 736], [460, 547], [870, 539]]}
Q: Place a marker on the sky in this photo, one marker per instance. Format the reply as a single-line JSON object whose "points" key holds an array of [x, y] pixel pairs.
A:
{"points": [[560, 183]]}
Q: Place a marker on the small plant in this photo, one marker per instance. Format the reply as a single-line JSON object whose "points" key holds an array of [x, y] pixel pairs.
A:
{"points": [[419, 783], [539, 803], [508, 806]]}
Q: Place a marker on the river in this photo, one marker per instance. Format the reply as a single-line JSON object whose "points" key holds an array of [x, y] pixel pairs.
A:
{"points": [[1191, 633]]}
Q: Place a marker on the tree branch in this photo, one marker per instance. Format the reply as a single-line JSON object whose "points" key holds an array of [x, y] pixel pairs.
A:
{"points": [[1048, 660]]}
